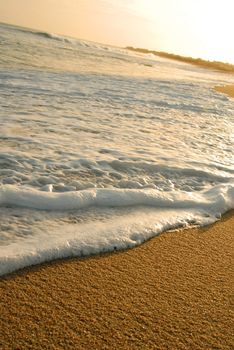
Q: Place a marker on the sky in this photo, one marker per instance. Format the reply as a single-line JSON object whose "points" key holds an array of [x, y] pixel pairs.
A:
{"points": [[197, 28]]}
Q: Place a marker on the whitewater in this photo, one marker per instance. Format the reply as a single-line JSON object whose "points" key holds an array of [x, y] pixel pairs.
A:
{"points": [[102, 149]]}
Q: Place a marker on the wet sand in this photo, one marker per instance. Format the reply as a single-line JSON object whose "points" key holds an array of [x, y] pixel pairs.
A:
{"points": [[173, 292], [226, 89]]}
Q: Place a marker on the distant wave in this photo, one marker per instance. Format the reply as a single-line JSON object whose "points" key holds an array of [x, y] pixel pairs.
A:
{"points": [[52, 36], [79, 42], [65, 39], [43, 34]]}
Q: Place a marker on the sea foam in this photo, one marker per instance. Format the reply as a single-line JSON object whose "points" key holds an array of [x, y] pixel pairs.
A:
{"points": [[147, 213], [220, 198]]}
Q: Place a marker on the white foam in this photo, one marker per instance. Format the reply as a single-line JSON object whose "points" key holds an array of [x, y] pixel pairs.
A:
{"points": [[67, 240], [167, 210], [219, 198]]}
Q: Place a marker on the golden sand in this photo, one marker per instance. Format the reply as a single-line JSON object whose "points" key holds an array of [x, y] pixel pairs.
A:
{"points": [[227, 89], [173, 292]]}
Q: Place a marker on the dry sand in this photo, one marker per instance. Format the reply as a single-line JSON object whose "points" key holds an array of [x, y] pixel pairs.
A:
{"points": [[226, 89], [173, 292]]}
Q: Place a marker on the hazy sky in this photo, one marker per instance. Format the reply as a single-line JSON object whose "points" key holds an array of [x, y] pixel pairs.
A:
{"points": [[199, 28]]}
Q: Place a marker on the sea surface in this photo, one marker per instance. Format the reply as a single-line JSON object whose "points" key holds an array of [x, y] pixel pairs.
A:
{"points": [[102, 148]]}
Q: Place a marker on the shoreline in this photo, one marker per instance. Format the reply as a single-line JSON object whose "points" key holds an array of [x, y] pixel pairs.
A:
{"points": [[219, 66], [225, 89], [173, 292]]}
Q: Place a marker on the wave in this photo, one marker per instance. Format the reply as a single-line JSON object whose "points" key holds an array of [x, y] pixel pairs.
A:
{"points": [[154, 212], [43, 34], [83, 43], [53, 36], [219, 199], [69, 40]]}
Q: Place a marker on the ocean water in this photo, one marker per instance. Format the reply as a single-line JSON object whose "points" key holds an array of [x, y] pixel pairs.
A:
{"points": [[102, 148]]}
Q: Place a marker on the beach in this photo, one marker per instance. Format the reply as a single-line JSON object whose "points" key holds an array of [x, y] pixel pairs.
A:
{"points": [[114, 169], [227, 89], [173, 292]]}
